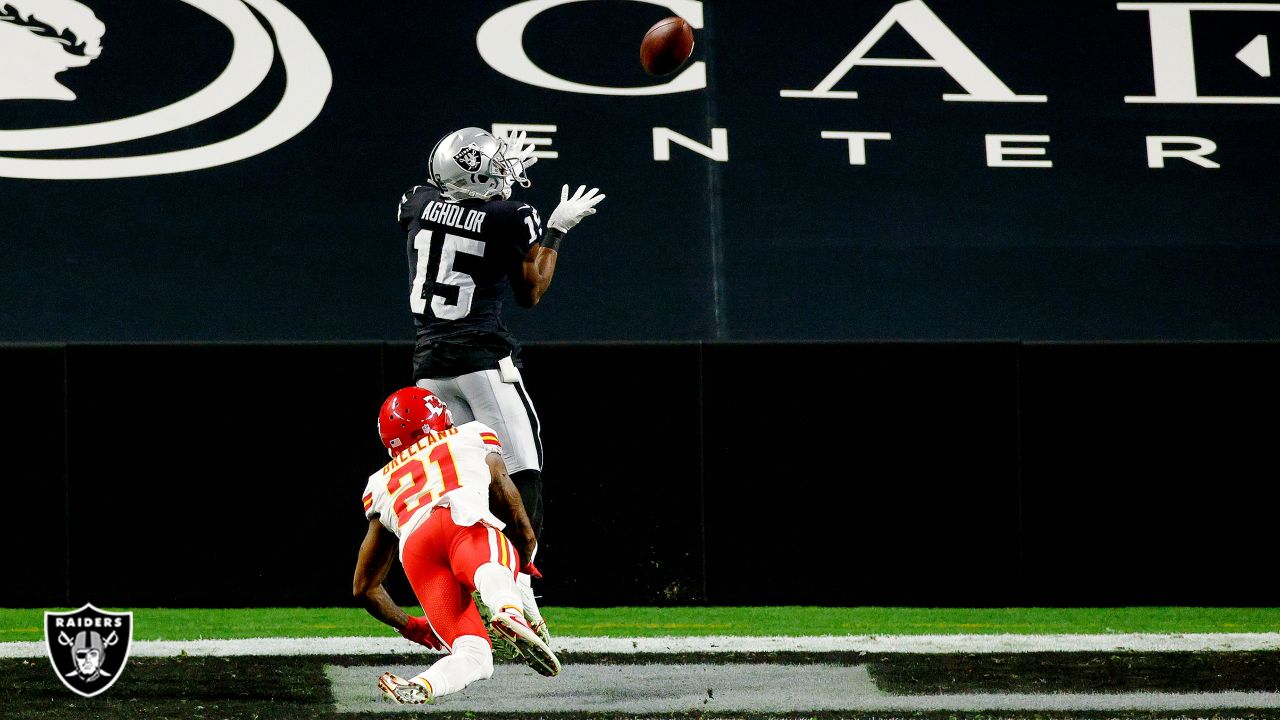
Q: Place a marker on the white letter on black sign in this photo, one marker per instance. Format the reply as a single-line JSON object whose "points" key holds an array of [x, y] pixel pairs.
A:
{"points": [[1173, 55], [503, 129], [942, 45], [998, 152], [857, 142], [1198, 153], [663, 137]]}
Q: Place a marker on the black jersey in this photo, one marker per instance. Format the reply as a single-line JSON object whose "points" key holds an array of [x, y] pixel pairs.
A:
{"points": [[461, 256]]}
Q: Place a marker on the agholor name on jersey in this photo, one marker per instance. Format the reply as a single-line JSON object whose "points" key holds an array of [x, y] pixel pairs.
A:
{"points": [[443, 213]]}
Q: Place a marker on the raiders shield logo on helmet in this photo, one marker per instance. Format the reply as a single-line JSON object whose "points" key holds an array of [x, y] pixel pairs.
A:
{"points": [[468, 158], [88, 647]]}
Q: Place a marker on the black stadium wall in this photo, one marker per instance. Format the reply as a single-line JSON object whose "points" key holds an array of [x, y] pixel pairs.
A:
{"points": [[971, 302], [730, 473]]}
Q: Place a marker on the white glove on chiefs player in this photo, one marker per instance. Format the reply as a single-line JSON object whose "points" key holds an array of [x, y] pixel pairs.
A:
{"points": [[572, 210], [516, 148]]}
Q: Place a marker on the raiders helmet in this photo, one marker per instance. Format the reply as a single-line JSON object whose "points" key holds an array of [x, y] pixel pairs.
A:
{"points": [[409, 414], [471, 164]]}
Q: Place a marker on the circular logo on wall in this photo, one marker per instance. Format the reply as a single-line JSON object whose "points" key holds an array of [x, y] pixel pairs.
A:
{"points": [[41, 38]]}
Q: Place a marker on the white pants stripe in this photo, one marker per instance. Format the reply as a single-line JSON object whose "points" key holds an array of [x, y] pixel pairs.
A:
{"points": [[493, 545]]}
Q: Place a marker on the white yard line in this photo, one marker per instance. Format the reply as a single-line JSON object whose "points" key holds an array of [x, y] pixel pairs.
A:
{"points": [[653, 689], [927, 644], [912, 644]]}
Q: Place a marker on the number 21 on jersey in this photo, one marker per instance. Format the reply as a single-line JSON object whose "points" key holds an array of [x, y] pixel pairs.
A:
{"points": [[421, 482], [446, 278]]}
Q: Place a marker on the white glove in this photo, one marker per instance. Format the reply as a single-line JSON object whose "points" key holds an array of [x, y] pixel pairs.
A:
{"points": [[572, 210], [515, 147]]}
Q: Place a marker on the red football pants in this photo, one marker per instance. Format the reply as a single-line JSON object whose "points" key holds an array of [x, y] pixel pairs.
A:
{"points": [[440, 559]]}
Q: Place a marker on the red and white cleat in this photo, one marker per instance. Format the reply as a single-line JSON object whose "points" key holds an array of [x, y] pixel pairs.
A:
{"points": [[512, 627], [405, 692], [540, 627]]}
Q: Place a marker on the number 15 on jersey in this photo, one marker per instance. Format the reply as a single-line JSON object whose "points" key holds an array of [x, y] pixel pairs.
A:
{"points": [[450, 290]]}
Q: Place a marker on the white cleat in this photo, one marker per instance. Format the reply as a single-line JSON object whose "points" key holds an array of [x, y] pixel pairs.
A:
{"points": [[513, 628], [405, 692]]}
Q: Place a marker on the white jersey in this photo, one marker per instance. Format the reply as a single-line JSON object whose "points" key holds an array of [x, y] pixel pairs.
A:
{"points": [[440, 469]]}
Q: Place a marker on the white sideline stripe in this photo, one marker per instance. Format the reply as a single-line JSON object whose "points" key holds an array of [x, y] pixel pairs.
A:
{"points": [[770, 688], [910, 644]]}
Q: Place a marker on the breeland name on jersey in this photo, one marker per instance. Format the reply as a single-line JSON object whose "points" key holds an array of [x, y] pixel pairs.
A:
{"points": [[461, 258]]}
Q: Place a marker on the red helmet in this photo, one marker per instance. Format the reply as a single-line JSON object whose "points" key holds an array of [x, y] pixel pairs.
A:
{"points": [[409, 414]]}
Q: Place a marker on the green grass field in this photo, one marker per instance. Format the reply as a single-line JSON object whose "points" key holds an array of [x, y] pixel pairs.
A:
{"points": [[179, 624]]}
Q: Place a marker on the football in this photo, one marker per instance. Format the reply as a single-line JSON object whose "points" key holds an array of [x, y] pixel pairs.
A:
{"points": [[666, 46]]}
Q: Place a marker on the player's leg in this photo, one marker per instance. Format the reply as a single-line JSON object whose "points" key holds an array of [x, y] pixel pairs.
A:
{"points": [[529, 483], [484, 559], [449, 610], [506, 407], [447, 390]]}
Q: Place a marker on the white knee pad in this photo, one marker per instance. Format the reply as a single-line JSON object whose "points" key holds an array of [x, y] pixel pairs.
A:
{"points": [[477, 652]]}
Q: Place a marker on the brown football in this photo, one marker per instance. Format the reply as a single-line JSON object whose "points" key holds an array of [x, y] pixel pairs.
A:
{"points": [[666, 46]]}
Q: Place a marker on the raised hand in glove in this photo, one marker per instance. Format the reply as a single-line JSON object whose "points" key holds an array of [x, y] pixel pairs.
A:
{"points": [[419, 630], [572, 210], [517, 148]]}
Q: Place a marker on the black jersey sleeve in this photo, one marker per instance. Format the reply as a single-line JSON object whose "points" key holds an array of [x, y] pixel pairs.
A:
{"points": [[411, 205], [519, 228]]}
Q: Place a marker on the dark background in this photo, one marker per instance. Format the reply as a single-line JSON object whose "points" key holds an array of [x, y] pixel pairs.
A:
{"points": [[727, 473], [751, 374], [786, 241]]}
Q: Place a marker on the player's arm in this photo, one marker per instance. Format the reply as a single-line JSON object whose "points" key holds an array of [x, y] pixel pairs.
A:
{"points": [[505, 503], [539, 265], [376, 555], [535, 275]]}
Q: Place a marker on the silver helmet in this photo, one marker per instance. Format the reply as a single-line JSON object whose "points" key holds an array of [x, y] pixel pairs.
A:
{"points": [[472, 164]]}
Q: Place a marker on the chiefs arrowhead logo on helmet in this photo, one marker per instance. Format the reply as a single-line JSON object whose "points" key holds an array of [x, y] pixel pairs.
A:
{"points": [[409, 414]]}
